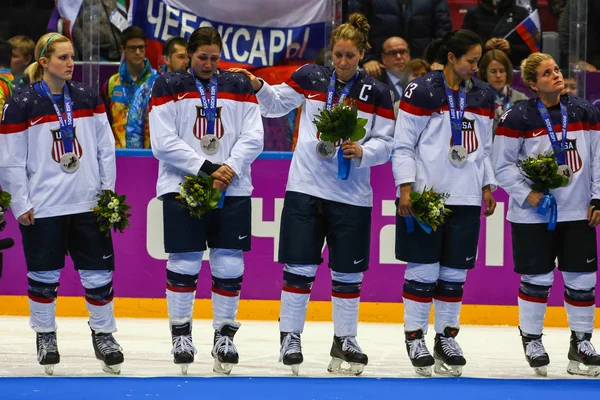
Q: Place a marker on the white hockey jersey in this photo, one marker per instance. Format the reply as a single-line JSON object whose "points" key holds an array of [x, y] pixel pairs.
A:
{"points": [[310, 174], [31, 146], [522, 133], [423, 138], [178, 123]]}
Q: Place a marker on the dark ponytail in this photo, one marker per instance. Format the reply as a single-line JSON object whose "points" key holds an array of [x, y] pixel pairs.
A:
{"points": [[456, 42]]}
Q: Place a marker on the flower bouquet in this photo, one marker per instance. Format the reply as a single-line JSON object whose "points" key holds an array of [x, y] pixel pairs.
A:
{"points": [[111, 211], [342, 122], [5, 199], [429, 209], [198, 195]]}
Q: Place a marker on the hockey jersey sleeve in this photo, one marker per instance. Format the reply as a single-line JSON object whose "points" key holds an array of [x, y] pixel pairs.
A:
{"points": [[106, 147], [166, 143], [136, 116], [413, 117], [251, 141], [507, 145], [377, 149], [276, 101], [489, 177], [595, 150], [13, 157]]}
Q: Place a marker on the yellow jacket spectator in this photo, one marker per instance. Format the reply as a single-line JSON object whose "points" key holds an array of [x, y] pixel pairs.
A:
{"points": [[6, 78]]}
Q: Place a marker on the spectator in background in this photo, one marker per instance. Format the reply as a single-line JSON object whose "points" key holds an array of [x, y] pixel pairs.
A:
{"points": [[137, 132], [593, 35], [22, 56], [570, 84], [417, 21], [395, 55], [6, 78], [494, 19], [109, 35], [495, 68], [414, 69], [118, 91]]}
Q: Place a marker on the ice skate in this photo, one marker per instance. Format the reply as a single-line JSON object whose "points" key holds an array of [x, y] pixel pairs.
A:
{"points": [[419, 356], [108, 352], [347, 350], [535, 353], [447, 353], [47, 351], [224, 351], [183, 349], [291, 351], [583, 359]]}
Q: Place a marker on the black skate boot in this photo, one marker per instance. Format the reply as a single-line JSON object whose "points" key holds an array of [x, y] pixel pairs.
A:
{"points": [[291, 350], [108, 352], [183, 349], [47, 350], [347, 349], [224, 351], [419, 356], [447, 353], [535, 353], [581, 352]]}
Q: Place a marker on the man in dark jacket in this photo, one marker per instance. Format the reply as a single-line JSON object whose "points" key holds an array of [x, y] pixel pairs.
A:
{"points": [[416, 21], [492, 20]]}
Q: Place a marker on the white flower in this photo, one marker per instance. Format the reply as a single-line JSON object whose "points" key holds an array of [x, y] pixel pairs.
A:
{"points": [[182, 191], [115, 201], [434, 213], [115, 215], [111, 205]]}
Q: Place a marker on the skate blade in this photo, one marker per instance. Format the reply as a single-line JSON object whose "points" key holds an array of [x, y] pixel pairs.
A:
{"points": [[184, 368], [335, 367], [541, 371], [222, 368], [295, 369], [49, 369], [423, 371], [112, 369], [575, 368], [443, 369]]}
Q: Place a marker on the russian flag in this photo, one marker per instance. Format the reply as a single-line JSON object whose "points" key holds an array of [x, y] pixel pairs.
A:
{"points": [[531, 32]]}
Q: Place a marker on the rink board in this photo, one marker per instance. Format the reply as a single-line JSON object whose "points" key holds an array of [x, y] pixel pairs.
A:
{"points": [[139, 282]]}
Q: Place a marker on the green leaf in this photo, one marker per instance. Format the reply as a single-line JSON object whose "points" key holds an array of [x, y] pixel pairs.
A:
{"points": [[414, 196]]}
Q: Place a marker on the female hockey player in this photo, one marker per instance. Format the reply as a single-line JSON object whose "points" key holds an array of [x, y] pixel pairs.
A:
{"points": [[58, 154], [320, 206], [569, 127], [205, 121], [443, 141]]}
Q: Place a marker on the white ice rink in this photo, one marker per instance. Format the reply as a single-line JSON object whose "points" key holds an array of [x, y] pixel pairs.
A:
{"points": [[491, 352]]}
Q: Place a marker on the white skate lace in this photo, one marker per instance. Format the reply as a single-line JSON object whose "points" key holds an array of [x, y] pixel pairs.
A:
{"points": [[350, 344], [183, 344], [535, 349], [47, 345], [290, 345], [224, 345], [586, 347], [417, 349], [450, 347], [107, 344]]}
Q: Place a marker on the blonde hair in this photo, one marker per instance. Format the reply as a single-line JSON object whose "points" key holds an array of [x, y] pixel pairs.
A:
{"points": [[356, 30], [529, 68], [44, 48], [23, 43]]}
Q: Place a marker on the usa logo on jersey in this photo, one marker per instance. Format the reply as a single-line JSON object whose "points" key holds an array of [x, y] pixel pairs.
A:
{"points": [[58, 147], [572, 155], [201, 123], [469, 138]]}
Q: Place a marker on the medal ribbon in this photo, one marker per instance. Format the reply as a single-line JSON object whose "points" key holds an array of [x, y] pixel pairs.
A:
{"points": [[456, 117], [66, 126], [548, 202], [410, 225], [559, 149], [210, 105]]}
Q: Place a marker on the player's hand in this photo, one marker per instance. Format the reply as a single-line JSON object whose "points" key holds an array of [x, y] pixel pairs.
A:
{"points": [[219, 185], [490, 202], [224, 174], [534, 198], [404, 209], [593, 217], [352, 150], [256, 83], [373, 68], [27, 218]]}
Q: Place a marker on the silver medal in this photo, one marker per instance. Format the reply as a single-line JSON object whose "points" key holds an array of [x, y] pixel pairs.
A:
{"points": [[69, 162], [457, 155], [565, 170], [325, 149], [209, 144]]}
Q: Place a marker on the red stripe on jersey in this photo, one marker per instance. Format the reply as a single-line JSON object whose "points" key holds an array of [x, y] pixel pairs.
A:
{"points": [[506, 131], [100, 109], [385, 113], [573, 127], [595, 127], [6, 129], [238, 97], [292, 83], [159, 101], [486, 112], [414, 110]]}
